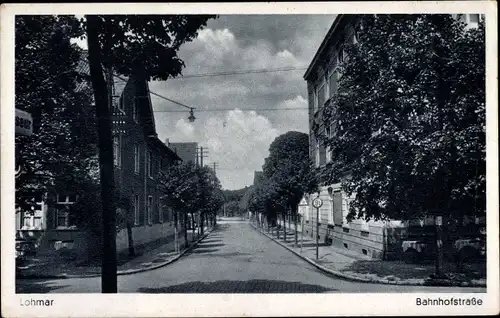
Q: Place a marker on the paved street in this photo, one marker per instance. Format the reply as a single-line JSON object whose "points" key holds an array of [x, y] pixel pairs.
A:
{"points": [[233, 259]]}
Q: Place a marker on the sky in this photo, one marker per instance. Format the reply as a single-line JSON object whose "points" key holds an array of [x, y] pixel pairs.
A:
{"points": [[238, 138]]}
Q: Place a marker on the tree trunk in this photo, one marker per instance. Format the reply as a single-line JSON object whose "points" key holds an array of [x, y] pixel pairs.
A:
{"points": [[284, 226], [185, 217], [439, 250], [289, 220], [131, 251], [202, 222], [109, 275], [295, 216], [193, 223], [176, 233]]}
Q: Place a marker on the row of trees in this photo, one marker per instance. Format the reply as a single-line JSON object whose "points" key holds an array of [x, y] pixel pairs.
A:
{"points": [[407, 126], [287, 176], [192, 190], [66, 132]]}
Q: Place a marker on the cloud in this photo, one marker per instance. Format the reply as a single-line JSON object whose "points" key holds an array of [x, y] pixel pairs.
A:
{"points": [[238, 141], [239, 138]]}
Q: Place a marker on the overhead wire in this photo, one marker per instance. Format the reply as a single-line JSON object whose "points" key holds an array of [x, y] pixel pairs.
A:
{"points": [[251, 71]]}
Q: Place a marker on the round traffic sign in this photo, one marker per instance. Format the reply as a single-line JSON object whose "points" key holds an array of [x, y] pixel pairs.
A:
{"points": [[317, 203]]}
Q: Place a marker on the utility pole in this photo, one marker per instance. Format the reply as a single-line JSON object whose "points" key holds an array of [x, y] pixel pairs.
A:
{"points": [[201, 153]]}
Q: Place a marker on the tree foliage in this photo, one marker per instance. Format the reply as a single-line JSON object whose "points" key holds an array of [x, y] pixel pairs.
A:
{"points": [[189, 189], [288, 167], [59, 152], [409, 118], [287, 176]]}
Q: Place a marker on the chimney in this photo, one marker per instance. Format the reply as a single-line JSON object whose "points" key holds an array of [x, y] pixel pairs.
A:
{"points": [[167, 142]]}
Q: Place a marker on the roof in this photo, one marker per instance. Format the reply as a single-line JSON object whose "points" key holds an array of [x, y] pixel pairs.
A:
{"points": [[185, 150], [158, 143], [119, 82], [324, 45]]}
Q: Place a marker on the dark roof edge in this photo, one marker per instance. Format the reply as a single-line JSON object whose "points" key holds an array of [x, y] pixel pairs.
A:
{"points": [[323, 45], [165, 147]]}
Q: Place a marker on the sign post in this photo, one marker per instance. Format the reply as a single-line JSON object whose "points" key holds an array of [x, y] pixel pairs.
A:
{"points": [[302, 207], [317, 203]]}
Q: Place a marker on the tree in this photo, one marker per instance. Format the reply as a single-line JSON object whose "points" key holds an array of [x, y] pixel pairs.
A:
{"points": [[143, 45], [289, 167], [409, 119], [209, 188], [190, 190], [46, 82], [214, 204]]}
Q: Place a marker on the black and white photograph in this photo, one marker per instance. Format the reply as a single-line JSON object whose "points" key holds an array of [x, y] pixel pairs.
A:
{"points": [[251, 154]]}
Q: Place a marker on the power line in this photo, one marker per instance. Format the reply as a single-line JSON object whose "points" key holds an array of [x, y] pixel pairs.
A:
{"points": [[161, 96], [254, 71], [227, 109]]}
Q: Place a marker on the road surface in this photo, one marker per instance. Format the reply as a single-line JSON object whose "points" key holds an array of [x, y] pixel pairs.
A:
{"points": [[233, 259]]}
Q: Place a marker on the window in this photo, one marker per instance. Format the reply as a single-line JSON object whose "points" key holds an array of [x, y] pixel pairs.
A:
{"points": [[150, 164], [62, 218], [316, 153], [341, 55], [462, 18], [322, 155], [355, 37], [321, 96], [149, 208], [160, 212], [136, 158], [121, 104], [333, 83], [474, 18], [27, 221], [37, 222], [136, 210], [116, 151], [135, 111]]}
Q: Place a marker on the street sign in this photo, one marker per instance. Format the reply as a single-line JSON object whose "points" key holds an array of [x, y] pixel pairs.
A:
{"points": [[317, 203], [24, 123], [303, 202], [302, 210]]}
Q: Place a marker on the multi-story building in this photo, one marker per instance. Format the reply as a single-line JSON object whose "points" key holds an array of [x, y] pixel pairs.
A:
{"points": [[373, 238], [139, 156]]}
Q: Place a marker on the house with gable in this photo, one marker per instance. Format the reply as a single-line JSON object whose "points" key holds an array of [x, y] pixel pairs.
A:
{"points": [[139, 157]]}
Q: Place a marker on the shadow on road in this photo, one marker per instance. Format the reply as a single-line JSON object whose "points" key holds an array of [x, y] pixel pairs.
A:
{"points": [[30, 286], [203, 251], [228, 286], [205, 245]]}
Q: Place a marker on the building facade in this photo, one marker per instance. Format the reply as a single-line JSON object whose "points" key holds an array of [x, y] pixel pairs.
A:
{"points": [[139, 157], [375, 239], [378, 239]]}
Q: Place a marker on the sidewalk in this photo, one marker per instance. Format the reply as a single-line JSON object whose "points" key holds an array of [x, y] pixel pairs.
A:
{"points": [[358, 267], [44, 267]]}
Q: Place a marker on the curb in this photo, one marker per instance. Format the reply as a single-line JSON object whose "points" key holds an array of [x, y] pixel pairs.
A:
{"points": [[357, 278], [123, 272]]}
